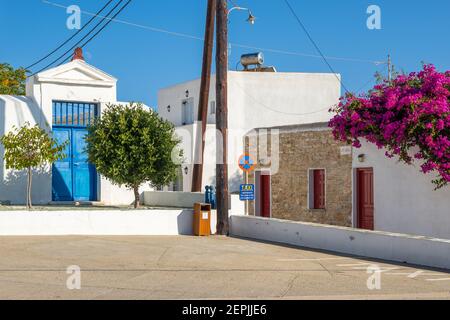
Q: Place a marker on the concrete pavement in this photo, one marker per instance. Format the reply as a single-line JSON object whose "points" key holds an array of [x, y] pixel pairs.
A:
{"points": [[200, 268]]}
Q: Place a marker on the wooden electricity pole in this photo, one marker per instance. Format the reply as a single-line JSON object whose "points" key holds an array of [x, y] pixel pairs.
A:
{"points": [[222, 117], [204, 92]]}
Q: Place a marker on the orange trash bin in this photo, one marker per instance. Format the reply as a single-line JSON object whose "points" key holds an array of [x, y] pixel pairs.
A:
{"points": [[202, 219]]}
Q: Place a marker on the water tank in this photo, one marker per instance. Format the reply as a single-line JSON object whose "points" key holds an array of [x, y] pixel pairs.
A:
{"points": [[252, 59]]}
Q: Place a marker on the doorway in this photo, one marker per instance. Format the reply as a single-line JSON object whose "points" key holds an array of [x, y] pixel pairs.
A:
{"points": [[73, 178], [365, 198], [263, 193]]}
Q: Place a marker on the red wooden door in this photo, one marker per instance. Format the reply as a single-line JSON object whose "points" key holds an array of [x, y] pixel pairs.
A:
{"points": [[365, 199], [265, 204], [319, 189]]}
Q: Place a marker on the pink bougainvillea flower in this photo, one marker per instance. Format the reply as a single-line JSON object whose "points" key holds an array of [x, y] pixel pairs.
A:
{"points": [[409, 113]]}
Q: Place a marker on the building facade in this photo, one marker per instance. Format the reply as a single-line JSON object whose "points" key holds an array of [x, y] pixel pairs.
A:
{"points": [[64, 100], [395, 197], [317, 179], [313, 180], [255, 99]]}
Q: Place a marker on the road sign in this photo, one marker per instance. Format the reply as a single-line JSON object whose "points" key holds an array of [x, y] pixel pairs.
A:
{"points": [[247, 192], [246, 163]]}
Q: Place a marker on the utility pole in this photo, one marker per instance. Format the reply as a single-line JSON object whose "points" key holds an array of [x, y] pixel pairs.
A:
{"points": [[389, 63], [222, 117], [197, 176]]}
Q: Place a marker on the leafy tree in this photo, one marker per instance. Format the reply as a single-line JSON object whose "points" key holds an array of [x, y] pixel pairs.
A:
{"points": [[12, 81], [30, 147], [130, 146]]}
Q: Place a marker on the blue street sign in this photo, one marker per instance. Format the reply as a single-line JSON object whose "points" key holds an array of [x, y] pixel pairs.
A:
{"points": [[247, 192]]}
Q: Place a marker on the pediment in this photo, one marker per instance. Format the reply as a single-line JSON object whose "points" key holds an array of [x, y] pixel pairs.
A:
{"points": [[77, 72]]}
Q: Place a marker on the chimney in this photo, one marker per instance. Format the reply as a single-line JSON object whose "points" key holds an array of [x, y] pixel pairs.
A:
{"points": [[78, 54]]}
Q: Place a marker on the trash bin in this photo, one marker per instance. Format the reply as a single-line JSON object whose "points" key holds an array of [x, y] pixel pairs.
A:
{"points": [[202, 219]]}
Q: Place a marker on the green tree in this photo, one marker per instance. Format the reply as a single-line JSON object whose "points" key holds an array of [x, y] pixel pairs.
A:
{"points": [[30, 147], [131, 146], [12, 81]]}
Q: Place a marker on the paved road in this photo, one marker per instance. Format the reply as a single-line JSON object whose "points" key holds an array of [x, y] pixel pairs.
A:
{"points": [[199, 268]]}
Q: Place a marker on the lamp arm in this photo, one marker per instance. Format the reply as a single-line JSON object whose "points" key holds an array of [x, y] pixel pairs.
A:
{"points": [[237, 8]]}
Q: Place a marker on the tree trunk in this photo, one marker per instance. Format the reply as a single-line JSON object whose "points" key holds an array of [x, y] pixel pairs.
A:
{"points": [[137, 197], [29, 204]]}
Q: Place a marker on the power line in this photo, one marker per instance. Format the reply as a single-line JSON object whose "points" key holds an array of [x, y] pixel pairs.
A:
{"points": [[76, 44], [265, 106], [313, 42], [101, 29], [173, 33], [374, 78], [194, 37], [278, 111], [308, 55], [70, 38], [63, 56]]}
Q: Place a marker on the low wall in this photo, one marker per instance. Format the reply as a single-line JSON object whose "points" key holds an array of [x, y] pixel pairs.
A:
{"points": [[375, 244], [173, 199], [176, 199], [101, 222]]}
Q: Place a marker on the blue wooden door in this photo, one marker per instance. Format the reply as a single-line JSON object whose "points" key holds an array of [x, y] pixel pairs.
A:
{"points": [[83, 171], [62, 169], [74, 178]]}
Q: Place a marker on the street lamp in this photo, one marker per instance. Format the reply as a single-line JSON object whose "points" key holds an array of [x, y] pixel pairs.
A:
{"points": [[251, 18]]}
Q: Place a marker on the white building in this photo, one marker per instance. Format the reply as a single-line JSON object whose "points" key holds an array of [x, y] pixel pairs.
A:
{"points": [[63, 99], [255, 99], [391, 196]]}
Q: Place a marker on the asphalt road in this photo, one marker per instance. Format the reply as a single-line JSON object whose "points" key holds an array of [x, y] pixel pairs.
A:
{"points": [[201, 268]]}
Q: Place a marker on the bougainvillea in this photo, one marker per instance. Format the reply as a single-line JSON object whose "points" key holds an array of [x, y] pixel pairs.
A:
{"points": [[408, 116]]}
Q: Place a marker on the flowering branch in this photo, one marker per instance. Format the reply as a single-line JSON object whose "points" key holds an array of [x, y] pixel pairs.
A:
{"points": [[408, 116]]}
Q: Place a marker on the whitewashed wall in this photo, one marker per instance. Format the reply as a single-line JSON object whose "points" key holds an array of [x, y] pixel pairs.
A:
{"points": [[15, 111], [374, 244], [103, 222], [255, 100], [175, 199], [405, 199], [173, 96]]}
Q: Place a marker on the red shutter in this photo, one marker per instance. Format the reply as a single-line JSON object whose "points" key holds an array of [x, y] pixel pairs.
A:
{"points": [[319, 189]]}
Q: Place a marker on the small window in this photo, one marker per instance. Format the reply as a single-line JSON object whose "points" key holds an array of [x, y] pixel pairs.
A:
{"points": [[317, 189], [212, 107], [74, 114], [188, 111]]}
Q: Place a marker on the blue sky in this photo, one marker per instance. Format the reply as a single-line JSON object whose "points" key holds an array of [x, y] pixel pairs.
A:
{"points": [[145, 61]]}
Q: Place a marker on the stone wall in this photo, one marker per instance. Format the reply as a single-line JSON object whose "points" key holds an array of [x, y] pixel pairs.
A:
{"points": [[302, 148]]}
